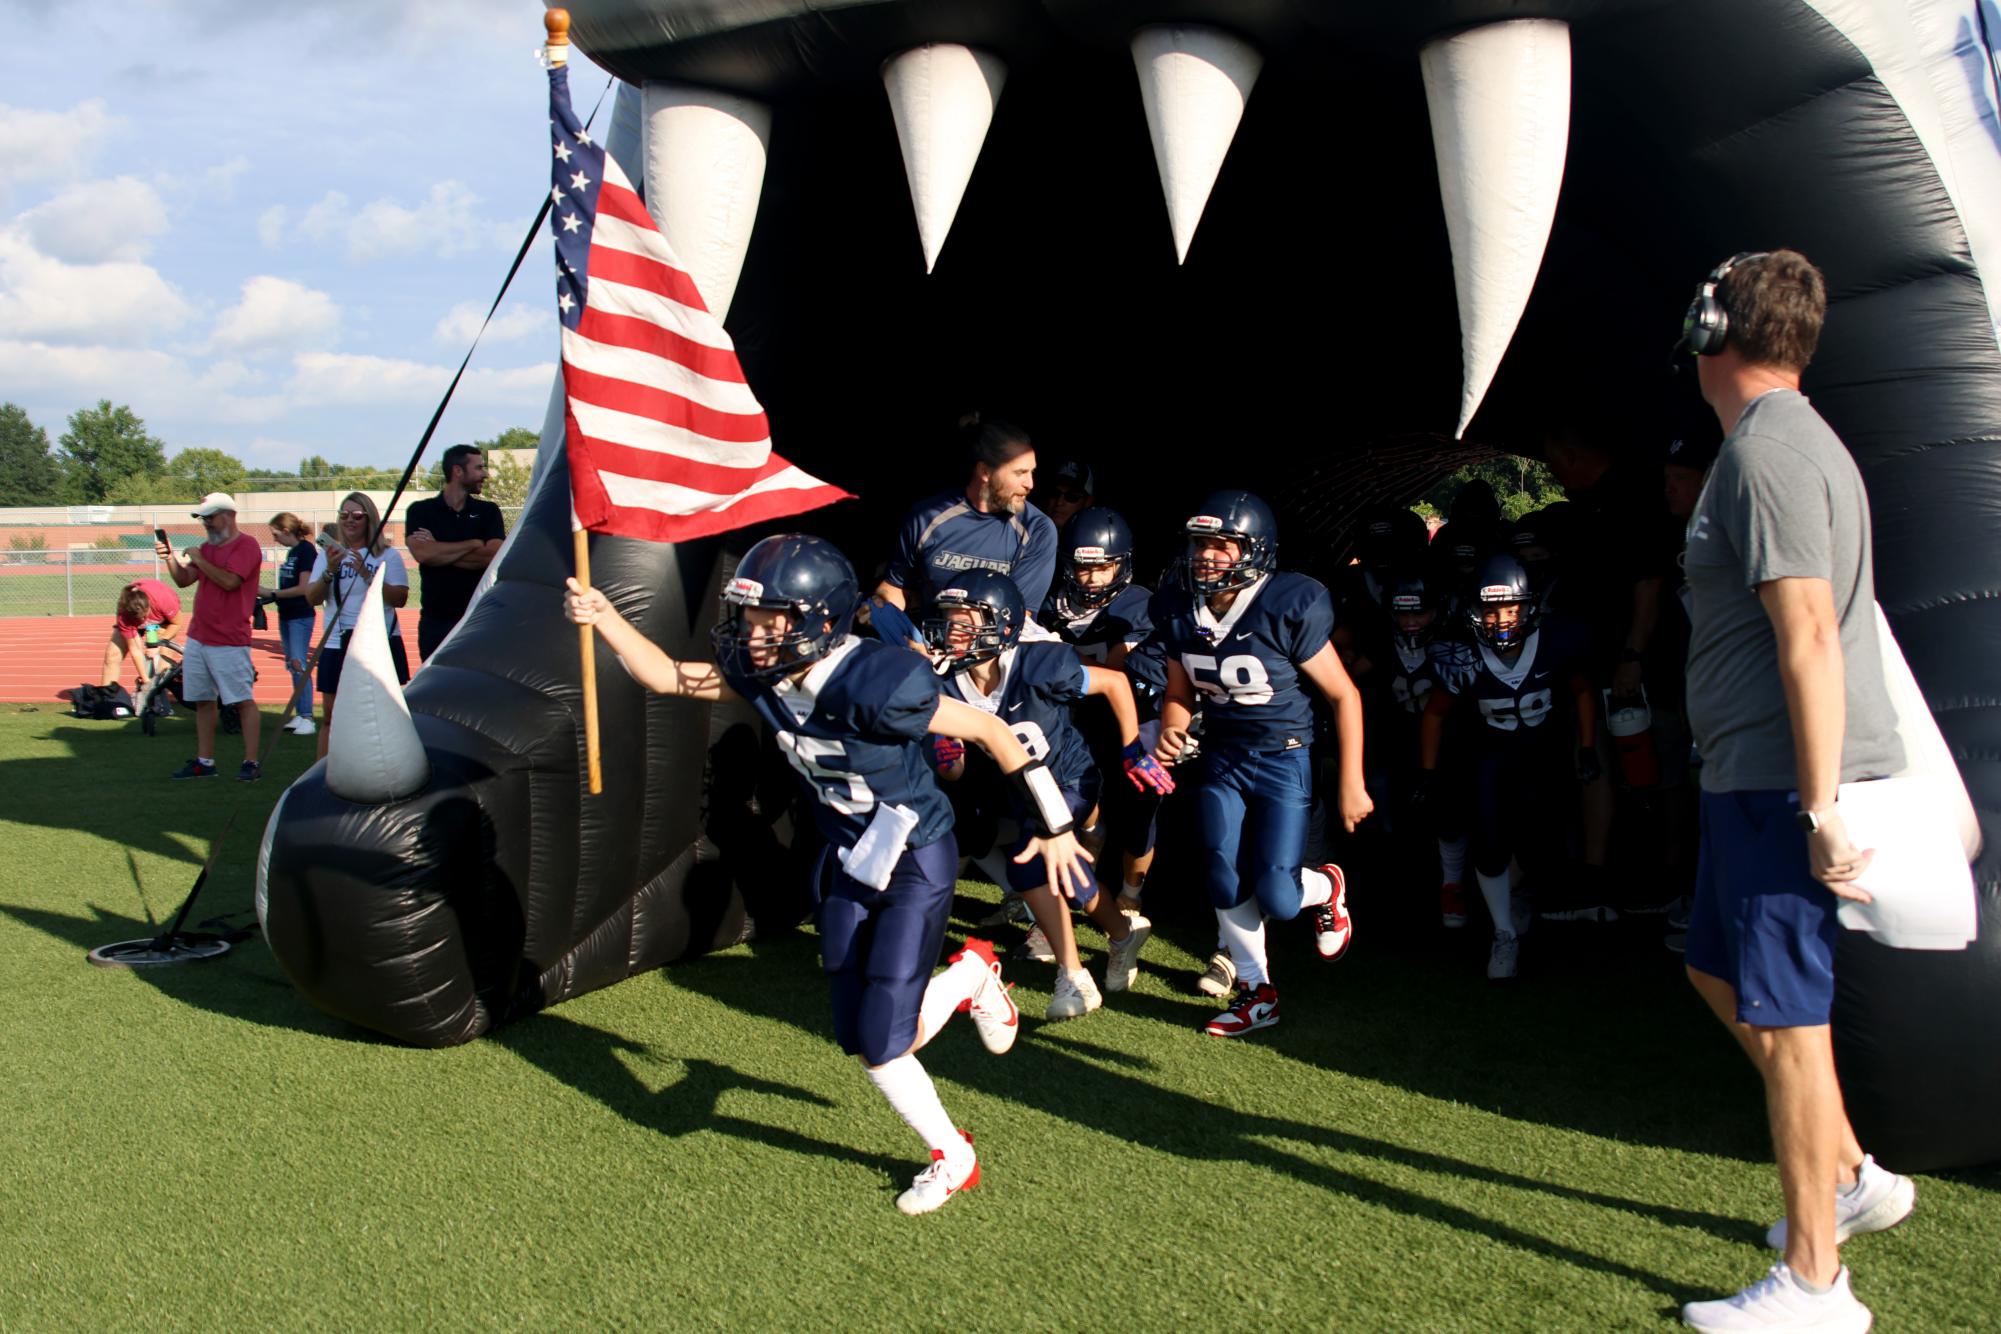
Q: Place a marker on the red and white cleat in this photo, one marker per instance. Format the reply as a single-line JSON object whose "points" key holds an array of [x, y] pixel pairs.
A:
{"points": [[993, 1011], [940, 1182], [1332, 927], [1452, 904], [1256, 1007]]}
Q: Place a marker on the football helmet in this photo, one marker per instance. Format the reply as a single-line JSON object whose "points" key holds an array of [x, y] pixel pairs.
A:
{"points": [[988, 592], [1390, 536], [1501, 581], [1246, 520], [1094, 537], [805, 576], [1409, 593]]}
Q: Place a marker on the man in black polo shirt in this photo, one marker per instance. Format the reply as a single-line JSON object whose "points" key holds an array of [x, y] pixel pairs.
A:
{"points": [[452, 536]]}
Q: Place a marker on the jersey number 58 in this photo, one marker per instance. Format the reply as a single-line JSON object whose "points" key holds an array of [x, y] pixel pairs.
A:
{"points": [[1240, 679]]}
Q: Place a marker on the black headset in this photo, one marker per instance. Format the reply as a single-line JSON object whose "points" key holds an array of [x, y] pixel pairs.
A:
{"points": [[1707, 324]]}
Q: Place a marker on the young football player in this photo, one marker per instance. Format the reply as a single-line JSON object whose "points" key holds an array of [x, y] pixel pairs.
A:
{"points": [[1247, 638], [1099, 611], [854, 718], [1517, 666], [975, 631]]}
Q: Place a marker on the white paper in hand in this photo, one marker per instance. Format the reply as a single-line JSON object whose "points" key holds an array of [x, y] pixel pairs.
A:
{"points": [[1919, 882], [875, 854]]}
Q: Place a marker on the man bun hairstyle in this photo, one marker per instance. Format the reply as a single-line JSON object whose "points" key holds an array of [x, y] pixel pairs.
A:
{"points": [[988, 439], [1776, 305]]}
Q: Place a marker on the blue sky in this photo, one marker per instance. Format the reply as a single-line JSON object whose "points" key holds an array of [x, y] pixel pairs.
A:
{"points": [[270, 229]]}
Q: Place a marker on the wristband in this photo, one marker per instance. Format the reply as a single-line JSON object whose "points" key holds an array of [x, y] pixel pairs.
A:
{"points": [[1040, 794]]}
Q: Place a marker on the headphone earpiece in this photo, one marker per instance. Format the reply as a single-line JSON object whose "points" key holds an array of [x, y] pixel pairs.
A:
{"points": [[1706, 326]]}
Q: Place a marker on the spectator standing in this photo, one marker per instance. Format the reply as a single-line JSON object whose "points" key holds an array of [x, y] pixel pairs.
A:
{"points": [[295, 614], [215, 662], [341, 571], [453, 537], [1069, 491], [988, 524], [148, 611], [1786, 694]]}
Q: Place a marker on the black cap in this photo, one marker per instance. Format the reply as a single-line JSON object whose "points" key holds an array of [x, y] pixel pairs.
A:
{"points": [[1692, 451], [1077, 473]]}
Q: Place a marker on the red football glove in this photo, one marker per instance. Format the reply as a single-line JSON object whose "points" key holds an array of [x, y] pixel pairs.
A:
{"points": [[1144, 771], [946, 751]]}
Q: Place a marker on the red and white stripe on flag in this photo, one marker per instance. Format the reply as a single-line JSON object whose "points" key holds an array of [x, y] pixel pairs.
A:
{"points": [[665, 439]]}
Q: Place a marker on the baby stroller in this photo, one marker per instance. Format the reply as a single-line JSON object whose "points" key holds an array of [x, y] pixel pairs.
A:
{"points": [[162, 693]]}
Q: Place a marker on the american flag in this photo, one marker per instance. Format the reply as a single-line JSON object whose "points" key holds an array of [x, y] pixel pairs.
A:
{"points": [[665, 439]]}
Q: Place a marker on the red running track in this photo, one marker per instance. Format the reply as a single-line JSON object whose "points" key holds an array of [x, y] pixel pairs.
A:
{"points": [[43, 658]]}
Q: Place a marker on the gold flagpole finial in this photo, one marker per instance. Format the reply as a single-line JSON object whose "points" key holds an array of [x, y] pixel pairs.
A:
{"points": [[557, 49]]}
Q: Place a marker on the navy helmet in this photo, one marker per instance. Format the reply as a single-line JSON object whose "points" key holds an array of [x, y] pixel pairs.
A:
{"points": [[1409, 593], [1499, 581], [805, 576], [995, 597], [1244, 519], [1094, 537]]}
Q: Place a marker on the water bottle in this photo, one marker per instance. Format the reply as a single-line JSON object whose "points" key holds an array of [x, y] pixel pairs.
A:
{"points": [[1631, 721]]}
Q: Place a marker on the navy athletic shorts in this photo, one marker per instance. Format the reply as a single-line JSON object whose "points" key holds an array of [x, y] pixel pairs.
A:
{"points": [[879, 947], [1761, 922]]}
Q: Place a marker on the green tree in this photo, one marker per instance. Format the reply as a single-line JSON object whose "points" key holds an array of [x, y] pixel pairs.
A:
{"points": [[1520, 484], [104, 445], [200, 471], [139, 489], [28, 472]]}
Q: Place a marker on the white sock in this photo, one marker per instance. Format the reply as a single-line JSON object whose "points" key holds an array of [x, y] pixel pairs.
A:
{"points": [[1316, 888], [944, 994], [1452, 861], [1500, 901], [1243, 929], [1131, 890], [205, 763], [908, 1089]]}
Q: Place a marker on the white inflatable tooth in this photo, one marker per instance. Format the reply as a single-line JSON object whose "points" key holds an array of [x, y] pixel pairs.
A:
{"points": [[1194, 82], [704, 155], [373, 754], [942, 97], [1500, 125]]}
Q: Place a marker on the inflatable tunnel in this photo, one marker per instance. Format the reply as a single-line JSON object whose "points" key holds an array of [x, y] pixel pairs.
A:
{"points": [[1327, 249]]}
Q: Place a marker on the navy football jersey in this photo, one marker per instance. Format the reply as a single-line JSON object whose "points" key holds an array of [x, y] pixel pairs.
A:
{"points": [[1528, 701], [853, 727], [1408, 674], [1245, 664], [1127, 620], [1039, 682]]}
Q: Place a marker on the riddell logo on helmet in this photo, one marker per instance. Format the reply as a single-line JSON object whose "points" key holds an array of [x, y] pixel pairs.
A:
{"points": [[743, 590], [1497, 593], [1089, 555], [957, 594], [1406, 602], [1205, 523]]}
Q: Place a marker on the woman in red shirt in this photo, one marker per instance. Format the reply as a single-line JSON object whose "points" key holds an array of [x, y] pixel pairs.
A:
{"points": [[145, 604]]}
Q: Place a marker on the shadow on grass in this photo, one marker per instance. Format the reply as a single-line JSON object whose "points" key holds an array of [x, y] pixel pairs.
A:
{"points": [[1051, 1076], [587, 1059], [244, 984], [113, 784]]}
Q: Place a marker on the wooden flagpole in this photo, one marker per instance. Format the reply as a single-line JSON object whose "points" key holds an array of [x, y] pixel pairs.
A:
{"points": [[556, 22]]}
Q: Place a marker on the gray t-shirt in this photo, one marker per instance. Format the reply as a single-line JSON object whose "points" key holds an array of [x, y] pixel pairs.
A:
{"points": [[1784, 500]]}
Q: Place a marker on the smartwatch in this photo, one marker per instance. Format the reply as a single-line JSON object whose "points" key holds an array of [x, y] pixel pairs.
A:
{"points": [[1811, 821]]}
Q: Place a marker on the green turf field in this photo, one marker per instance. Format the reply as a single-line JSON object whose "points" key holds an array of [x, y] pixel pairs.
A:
{"points": [[1409, 1149]]}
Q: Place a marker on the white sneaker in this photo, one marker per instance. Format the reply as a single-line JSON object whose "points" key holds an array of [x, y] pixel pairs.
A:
{"points": [[940, 1182], [1122, 965], [993, 1011], [1076, 995], [302, 726], [1035, 947], [1777, 1301], [1221, 978], [1502, 958], [1879, 1199]]}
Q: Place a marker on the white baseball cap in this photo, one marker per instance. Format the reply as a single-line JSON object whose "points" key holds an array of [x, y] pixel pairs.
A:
{"points": [[214, 502]]}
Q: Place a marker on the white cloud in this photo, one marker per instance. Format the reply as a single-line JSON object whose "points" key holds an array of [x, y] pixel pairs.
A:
{"points": [[353, 379], [120, 303], [271, 226], [445, 223], [277, 314], [219, 182], [50, 145], [98, 220], [459, 325]]}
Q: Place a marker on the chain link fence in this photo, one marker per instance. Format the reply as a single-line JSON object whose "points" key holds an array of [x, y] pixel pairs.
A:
{"points": [[79, 569]]}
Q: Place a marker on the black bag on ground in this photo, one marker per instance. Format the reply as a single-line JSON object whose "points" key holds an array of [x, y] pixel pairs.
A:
{"points": [[104, 703]]}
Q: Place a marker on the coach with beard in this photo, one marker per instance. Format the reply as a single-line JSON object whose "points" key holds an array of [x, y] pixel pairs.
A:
{"points": [[453, 537]]}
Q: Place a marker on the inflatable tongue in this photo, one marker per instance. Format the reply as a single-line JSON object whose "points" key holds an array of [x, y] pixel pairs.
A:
{"points": [[1387, 223]]}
